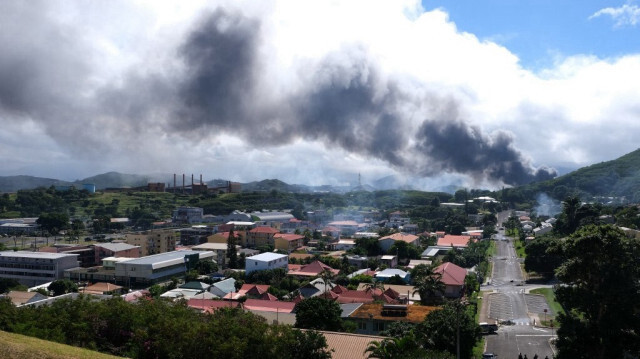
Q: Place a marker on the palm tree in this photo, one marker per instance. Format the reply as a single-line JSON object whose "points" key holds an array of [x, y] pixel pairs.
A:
{"points": [[394, 348], [429, 285], [326, 276], [375, 284]]}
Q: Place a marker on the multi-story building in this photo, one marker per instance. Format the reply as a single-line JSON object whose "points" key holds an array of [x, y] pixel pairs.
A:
{"points": [[153, 242], [35, 268], [260, 236]]}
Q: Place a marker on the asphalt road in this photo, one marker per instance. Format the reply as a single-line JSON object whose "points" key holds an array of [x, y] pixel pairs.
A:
{"points": [[510, 302]]}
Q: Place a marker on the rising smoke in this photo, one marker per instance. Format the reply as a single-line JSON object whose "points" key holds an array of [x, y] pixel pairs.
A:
{"points": [[343, 99]]}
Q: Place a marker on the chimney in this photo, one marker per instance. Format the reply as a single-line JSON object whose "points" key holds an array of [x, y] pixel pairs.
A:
{"points": [[192, 181], [183, 182], [174, 183], [201, 179]]}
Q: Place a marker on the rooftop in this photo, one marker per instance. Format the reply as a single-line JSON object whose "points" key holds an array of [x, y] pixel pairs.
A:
{"points": [[116, 247], [163, 257], [415, 313], [267, 256], [35, 255]]}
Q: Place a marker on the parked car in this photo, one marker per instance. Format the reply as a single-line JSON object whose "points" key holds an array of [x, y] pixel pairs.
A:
{"points": [[488, 356]]}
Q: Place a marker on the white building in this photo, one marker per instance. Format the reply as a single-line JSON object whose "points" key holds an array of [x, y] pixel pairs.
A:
{"points": [[34, 268], [265, 261]]}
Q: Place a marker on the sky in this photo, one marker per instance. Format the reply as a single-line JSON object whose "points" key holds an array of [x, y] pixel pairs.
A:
{"points": [[481, 94]]}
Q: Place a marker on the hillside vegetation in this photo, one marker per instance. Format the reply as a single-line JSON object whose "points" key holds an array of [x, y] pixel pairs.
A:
{"points": [[24, 347]]}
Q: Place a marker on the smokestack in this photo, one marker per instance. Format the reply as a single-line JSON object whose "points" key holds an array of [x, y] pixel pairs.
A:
{"points": [[201, 179], [174, 183], [183, 183], [192, 181]]}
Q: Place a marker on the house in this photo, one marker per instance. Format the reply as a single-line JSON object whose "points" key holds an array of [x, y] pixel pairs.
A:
{"points": [[388, 241], [260, 236], [288, 242], [389, 261], [223, 287], [315, 288], [313, 269], [389, 273], [34, 268], [331, 231], [453, 279], [372, 318], [255, 291], [405, 293], [266, 261], [261, 305], [349, 345], [209, 305], [347, 228], [19, 298], [223, 237], [456, 241], [343, 245], [102, 288]]}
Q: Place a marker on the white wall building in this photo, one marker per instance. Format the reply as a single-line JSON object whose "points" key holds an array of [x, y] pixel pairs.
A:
{"points": [[34, 268], [265, 261]]}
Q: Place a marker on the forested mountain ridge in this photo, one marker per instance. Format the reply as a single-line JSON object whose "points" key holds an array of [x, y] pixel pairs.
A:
{"points": [[616, 178]]}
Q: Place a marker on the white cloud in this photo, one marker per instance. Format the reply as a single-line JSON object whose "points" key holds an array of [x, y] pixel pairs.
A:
{"points": [[625, 15], [581, 110]]}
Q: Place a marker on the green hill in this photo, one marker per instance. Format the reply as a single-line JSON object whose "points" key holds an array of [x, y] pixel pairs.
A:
{"points": [[20, 346], [616, 178]]}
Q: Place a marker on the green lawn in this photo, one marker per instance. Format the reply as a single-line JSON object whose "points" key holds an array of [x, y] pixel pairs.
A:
{"points": [[20, 346], [550, 296]]}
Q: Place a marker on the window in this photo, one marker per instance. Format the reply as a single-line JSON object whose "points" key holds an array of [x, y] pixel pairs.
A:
{"points": [[362, 326]]}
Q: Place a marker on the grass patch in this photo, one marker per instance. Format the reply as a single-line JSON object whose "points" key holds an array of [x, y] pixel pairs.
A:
{"points": [[20, 346], [550, 296], [519, 248], [478, 349]]}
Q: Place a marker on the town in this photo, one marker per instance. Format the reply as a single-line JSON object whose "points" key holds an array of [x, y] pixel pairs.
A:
{"points": [[365, 277]]}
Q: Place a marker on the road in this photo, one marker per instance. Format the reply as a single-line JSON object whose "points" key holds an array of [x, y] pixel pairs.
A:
{"points": [[510, 301]]}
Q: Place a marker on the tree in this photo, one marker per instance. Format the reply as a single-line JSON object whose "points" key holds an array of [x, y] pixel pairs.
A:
{"points": [[309, 344], [62, 286], [326, 276], [439, 329], [601, 280], [370, 246], [404, 250], [543, 256], [53, 222], [232, 252], [428, 284], [318, 313]]}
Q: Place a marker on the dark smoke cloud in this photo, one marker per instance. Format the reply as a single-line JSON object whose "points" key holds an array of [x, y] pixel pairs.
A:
{"points": [[345, 103], [342, 100], [457, 147]]}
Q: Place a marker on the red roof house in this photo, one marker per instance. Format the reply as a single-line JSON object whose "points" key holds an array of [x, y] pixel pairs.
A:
{"points": [[453, 278]]}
